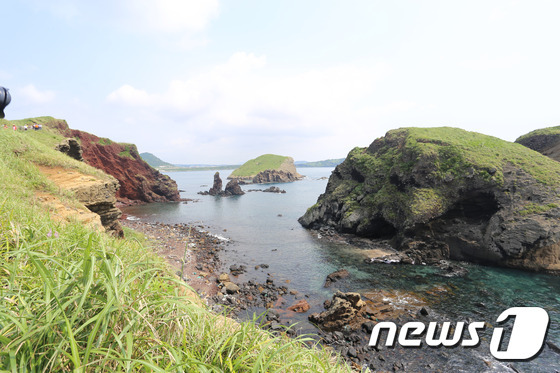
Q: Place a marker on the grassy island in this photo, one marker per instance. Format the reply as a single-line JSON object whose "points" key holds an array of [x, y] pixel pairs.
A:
{"points": [[265, 162]]}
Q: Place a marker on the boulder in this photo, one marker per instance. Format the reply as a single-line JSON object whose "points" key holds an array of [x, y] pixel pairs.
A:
{"points": [[300, 307], [440, 193], [343, 309]]}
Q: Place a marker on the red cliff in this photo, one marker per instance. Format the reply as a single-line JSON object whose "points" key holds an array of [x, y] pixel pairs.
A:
{"points": [[139, 182]]}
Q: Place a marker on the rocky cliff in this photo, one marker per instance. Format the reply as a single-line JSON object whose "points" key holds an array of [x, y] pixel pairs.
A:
{"points": [[447, 193], [139, 182]]}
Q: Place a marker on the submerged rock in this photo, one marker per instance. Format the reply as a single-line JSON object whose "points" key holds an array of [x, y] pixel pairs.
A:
{"points": [[335, 276], [440, 193]]}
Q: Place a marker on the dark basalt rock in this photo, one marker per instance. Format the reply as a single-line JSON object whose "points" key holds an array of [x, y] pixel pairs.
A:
{"points": [[72, 148], [232, 188], [217, 186], [274, 189], [446, 193], [275, 176]]}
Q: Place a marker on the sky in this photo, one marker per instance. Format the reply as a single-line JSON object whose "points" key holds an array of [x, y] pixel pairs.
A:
{"points": [[224, 81]]}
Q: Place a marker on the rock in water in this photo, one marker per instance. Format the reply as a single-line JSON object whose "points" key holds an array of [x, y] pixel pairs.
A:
{"points": [[217, 186], [443, 193], [233, 188], [335, 276]]}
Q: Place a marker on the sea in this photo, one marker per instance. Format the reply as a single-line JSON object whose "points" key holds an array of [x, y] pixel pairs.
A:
{"points": [[262, 228]]}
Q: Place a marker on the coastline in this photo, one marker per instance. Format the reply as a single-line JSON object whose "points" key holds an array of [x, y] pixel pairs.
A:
{"points": [[200, 250]]}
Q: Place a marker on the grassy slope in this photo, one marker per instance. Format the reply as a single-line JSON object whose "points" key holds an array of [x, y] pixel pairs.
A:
{"points": [[254, 166], [78, 300], [542, 131]]}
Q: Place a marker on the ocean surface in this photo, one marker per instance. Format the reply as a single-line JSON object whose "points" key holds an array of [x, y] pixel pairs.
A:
{"points": [[263, 228]]}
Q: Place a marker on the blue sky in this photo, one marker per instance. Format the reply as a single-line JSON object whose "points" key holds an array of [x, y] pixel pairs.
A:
{"points": [[214, 81]]}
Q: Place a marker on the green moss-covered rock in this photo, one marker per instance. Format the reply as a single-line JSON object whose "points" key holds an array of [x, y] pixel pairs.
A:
{"points": [[445, 192]]}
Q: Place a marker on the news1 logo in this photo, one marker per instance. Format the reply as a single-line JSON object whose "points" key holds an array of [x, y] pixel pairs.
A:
{"points": [[525, 340]]}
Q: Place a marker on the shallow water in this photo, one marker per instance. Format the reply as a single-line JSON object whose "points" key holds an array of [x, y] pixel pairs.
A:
{"points": [[264, 229]]}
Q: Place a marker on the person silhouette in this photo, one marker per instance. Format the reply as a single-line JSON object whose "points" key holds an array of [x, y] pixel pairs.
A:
{"points": [[5, 99]]}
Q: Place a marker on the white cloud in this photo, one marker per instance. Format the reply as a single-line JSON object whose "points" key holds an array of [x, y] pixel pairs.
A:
{"points": [[34, 96]]}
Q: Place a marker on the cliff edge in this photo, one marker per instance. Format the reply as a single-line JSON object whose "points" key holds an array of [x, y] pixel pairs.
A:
{"points": [[444, 192], [139, 182]]}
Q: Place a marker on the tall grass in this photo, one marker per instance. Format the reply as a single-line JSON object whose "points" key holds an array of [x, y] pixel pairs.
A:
{"points": [[76, 300]]}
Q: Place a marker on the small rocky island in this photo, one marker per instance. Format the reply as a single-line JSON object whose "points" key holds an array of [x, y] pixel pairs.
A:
{"points": [[232, 188], [268, 168], [439, 193]]}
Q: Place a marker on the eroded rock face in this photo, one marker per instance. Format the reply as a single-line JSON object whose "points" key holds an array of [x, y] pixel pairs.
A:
{"points": [[448, 193], [72, 148], [99, 196]]}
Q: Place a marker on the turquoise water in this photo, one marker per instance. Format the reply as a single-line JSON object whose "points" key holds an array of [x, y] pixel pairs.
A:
{"points": [[263, 228]]}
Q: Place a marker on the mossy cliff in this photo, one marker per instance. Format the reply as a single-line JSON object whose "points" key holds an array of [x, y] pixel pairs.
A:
{"points": [[448, 193]]}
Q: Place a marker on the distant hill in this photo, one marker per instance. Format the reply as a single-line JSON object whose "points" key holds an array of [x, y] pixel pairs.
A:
{"points": [[153, 161], [325, 163]]}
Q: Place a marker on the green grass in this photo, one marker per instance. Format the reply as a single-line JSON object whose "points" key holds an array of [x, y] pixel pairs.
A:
{"points": [[262, 163], [533, 208], [74, 300], [104, 141], [540, 132], [129, 150]]}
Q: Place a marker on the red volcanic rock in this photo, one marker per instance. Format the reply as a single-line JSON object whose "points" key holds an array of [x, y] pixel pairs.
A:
{"points": [[139, 182], [301, 306]]}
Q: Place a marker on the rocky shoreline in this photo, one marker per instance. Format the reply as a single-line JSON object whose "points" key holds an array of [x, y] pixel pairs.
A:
{"points": [[224, 291]]}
